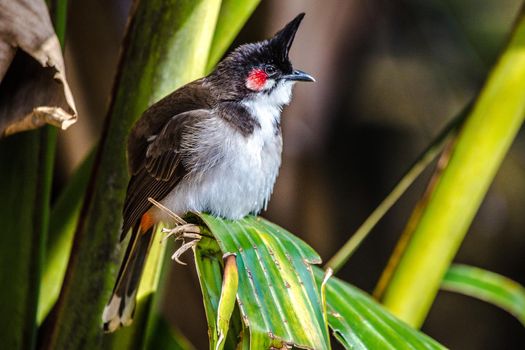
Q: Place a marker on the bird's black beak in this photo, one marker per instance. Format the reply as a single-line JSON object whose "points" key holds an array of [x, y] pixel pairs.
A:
{"points": [[298, 75], [284, 38]]}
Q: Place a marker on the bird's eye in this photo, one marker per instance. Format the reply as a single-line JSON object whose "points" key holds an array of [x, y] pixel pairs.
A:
{"points": [[270, 70]]}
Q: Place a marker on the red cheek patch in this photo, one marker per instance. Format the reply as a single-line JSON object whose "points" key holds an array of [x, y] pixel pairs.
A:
{"points": [[256, 79]]}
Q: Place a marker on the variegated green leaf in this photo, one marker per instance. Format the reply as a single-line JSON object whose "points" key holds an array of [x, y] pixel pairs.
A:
{"points": [[279, 300], [359, 322], [208, 261]]}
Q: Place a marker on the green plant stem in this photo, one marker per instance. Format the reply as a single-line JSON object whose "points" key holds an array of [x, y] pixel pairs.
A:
{"points": [[165, 47], [427, 157], [481, 146]]}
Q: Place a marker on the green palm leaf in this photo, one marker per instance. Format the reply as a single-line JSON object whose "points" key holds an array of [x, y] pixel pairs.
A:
{"points": [[359, 322], [278, 298], [281, 296], [487, 286]]}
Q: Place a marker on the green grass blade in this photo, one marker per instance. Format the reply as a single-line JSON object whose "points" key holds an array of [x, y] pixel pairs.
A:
{"points": [[359, 322], [166, 46], [232, 16], [23, 213], [487, 286], [481, 146], [279, 301], [62, 224]]}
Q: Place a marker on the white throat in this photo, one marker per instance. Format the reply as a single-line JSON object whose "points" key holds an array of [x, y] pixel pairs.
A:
{"points": [[266, 106], [242, 179]]}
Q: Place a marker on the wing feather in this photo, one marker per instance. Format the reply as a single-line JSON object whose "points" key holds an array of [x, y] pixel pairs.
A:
{"points": [[162, 168]]}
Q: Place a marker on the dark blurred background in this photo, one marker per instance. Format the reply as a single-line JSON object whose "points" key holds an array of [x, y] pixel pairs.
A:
{"points": [[390, 74]]}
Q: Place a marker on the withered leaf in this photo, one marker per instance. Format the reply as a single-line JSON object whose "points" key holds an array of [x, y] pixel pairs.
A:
{"points": [[33, 86]]}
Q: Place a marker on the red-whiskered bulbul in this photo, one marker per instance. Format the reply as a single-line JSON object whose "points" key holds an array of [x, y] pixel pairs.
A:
{"points": [[214, 145]]}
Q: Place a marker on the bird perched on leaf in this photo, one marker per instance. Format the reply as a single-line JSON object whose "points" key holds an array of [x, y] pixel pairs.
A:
{"points": [[214, 145]]}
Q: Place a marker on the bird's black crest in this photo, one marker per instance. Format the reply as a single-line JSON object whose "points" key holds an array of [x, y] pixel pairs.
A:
{"points": [[238, 63], [283, 39]]}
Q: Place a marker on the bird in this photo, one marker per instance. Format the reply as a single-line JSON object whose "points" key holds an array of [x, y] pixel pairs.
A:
{"points": [[214, 145]]}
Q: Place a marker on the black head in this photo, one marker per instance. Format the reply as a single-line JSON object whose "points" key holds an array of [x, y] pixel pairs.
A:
{"points": [[260, 67]]}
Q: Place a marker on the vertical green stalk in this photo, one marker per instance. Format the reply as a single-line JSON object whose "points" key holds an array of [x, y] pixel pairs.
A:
{"points": [[166, 46], [27, 160], [21, 238], [481, 146]]}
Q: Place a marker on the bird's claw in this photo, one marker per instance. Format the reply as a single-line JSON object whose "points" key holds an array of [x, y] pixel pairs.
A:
{"points": [[183, 232], [183, 248]]}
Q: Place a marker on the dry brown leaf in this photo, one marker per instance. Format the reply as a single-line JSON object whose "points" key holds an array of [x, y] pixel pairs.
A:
{"points": [[33, 85]]}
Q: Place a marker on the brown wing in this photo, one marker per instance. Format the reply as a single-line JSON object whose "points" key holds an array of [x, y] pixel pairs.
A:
{"points": [[160, 170], [192, 96]]}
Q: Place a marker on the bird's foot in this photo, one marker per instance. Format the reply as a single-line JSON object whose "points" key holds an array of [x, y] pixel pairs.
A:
{"points": [[182, 233]]}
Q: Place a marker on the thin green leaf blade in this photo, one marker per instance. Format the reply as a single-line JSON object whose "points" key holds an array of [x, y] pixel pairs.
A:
{"points": [[426, 157], [230, 283], [62, 224], [208, 262], [232, 16], [487, 286], [279, 300], [359, 322], [207, 257], [21, 239]]}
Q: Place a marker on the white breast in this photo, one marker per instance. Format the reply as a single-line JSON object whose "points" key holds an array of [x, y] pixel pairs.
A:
{"points": [[240, 178]]}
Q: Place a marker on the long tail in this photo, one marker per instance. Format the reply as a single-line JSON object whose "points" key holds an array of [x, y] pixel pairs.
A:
{"points": [[121, 306]]}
